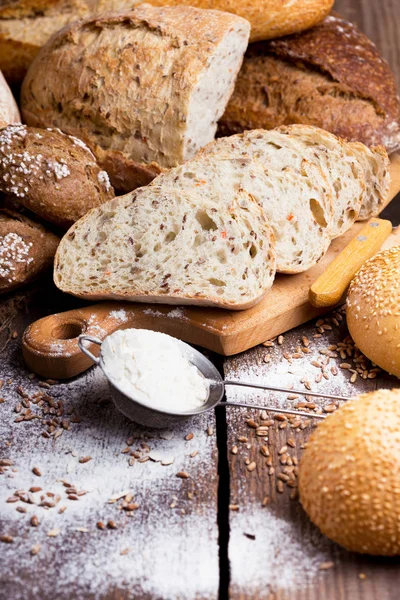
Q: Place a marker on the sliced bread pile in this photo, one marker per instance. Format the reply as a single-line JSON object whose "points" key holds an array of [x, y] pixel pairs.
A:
{"points": [[214, 230]]}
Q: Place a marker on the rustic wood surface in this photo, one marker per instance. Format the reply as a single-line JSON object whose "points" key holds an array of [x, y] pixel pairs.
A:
{"points": [[177, 544], [165, 547], [281, 553]]}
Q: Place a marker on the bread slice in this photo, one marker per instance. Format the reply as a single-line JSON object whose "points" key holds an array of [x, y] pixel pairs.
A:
{"points": [[295, 206], [289, 147], [9, 112], [165, 246], [144, 88], [341, 167], [375, 164]]}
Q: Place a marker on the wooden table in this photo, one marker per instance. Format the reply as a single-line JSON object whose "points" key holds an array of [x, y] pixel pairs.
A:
{"points": [[198, 513]]}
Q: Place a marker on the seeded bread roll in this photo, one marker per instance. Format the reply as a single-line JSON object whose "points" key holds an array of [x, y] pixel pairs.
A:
{"points": [[159, 245], [373, 310], [350, 471], [331, 76], [52, 174], [26, 250], [144, 88], [9, 112]]}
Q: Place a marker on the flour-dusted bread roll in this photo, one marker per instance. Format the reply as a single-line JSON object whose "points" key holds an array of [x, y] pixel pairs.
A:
{"points": [[9, 112], [330, 76], [297, 207], [144, 88], [52, 174], [373, 310], [27, 249], [166, 246], [300, 145], [349, 474]]}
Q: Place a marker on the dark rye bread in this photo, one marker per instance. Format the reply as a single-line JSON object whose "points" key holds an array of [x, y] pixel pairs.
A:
{"points": [[330, 76], [26, 249]]}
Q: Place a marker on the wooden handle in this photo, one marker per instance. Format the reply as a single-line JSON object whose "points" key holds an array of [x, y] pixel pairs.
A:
{"points": [[50, 345], [329, 288]]}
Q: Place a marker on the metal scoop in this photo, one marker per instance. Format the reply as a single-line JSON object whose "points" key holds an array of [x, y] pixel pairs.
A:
{"points": [[146, 415]]}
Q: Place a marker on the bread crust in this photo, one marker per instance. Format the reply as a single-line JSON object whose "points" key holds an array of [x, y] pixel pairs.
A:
{"points": [[26, 249], [9, 112], [124, 82], [50, 173], [331, 76]]}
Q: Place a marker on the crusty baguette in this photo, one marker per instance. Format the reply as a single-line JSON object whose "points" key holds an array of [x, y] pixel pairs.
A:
{"points": [[52, 174], [9, 112], [26, 250], [165, 246], [331, 76], [297, 207], [143, 88]]}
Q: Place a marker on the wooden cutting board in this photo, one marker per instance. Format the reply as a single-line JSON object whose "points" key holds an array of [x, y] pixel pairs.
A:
{"points": [[50, 345]]}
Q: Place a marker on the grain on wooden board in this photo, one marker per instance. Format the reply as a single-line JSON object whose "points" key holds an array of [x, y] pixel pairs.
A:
{"points": [[174, 551]]}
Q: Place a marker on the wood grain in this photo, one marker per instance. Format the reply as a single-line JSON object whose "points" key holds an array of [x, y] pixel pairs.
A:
{"points": [[172, 538], [381, 22], [296, 539]]}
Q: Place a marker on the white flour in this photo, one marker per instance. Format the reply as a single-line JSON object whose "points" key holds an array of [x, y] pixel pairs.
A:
{"points": [[289, 559], [150, 367]]}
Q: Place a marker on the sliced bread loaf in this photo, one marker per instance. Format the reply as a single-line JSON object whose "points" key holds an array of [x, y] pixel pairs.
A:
{"points": [[165, 246], [296, 206], [288, 147], [143, 88]]}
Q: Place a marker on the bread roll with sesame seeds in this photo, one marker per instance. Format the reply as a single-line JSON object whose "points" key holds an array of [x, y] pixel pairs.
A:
{"points": [[373, 310], [50, 173], [349, 475]]}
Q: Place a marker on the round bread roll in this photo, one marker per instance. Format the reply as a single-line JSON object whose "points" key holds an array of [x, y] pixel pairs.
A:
{"points": [[50, 173], [373, 310], [349, 475]]}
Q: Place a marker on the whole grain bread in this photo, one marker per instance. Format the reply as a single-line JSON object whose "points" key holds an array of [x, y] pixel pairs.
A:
{"points": [[290, 202], [26, 25], [9, 112], [52, 174], [144, 88], [27, 249], [330, 76], [166, 246]]}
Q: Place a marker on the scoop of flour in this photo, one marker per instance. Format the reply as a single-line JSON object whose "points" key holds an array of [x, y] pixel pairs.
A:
{"points": [[150, 367]]}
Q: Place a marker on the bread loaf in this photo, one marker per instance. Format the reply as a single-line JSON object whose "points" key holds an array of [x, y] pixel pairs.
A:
{"points": [[298, 208], [331, 76], [166, 246], [348, 180], [144, 89], [26, 25], [9, 112], [52, 174], [26, 250]]}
